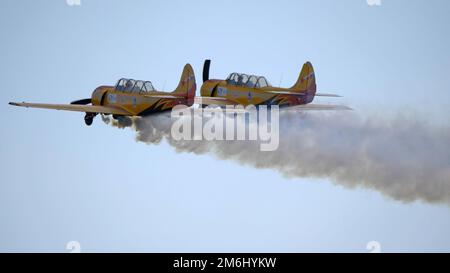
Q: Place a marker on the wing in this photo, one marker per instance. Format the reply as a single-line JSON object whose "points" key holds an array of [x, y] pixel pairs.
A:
{"points": [[223, 102], [165, 96], [310, 106], [75, 107], [214, 100], [302, 94]]}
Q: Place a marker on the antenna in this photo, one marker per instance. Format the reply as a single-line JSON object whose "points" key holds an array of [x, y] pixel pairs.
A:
{"points": [[281, 78]]}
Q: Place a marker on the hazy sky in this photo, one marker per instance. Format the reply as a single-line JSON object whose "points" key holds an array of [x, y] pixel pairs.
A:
{"points": [[62, 181]]}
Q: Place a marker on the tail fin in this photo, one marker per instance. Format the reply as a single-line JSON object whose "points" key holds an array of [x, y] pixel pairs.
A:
{"points": [[187, 85], [306, 82]]}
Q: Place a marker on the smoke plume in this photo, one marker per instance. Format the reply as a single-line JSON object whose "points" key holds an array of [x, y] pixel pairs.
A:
{"points": [[403, 158]]}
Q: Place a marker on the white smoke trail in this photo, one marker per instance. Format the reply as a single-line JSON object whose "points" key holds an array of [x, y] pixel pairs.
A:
{"points": [[405, 159]]}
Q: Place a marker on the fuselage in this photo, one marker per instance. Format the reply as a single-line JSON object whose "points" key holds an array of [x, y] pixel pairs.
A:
{"points": [[252, 95], [135, 103]]}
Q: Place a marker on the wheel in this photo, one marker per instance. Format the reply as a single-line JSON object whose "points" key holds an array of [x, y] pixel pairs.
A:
{"points": [[88, 119]]}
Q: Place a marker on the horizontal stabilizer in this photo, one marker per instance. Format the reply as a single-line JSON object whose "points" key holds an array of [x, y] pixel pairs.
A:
{"points": [[328, 95], [302, 94], [286, 93], [317, 107]]}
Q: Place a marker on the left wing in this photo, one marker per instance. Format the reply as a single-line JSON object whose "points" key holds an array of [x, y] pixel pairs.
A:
{"points": [[76, 107], [214, 100]]}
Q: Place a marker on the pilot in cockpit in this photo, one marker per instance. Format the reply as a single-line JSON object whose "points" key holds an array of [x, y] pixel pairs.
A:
{"points": [[240, 80], [128, 86]]}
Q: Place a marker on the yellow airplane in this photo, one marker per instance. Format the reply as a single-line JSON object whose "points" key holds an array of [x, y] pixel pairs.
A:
{"points": [[129, 98], [243, 89]]}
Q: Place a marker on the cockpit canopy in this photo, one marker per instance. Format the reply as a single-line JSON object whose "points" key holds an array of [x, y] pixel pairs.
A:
{"points": [[134, 86], [251, 81]]}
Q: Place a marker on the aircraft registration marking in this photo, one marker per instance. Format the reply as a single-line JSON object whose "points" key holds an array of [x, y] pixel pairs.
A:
{"points": [[112, 98]]}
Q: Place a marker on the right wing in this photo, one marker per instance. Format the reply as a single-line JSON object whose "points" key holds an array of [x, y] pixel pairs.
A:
{"points": [[75, 107]]}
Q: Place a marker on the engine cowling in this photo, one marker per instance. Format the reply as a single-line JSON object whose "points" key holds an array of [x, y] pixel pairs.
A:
{"points": [[98, 94]]}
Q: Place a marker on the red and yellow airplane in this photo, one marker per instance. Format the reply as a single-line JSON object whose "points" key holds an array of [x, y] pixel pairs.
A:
{"points": [[129, 98], [243, 89]]}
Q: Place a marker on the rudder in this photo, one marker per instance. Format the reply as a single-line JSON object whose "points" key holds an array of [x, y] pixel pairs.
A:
{"points": [[187, 84], [306, 82]]}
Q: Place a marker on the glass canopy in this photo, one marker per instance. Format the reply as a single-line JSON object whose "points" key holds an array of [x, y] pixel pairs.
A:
{"points": [[251, 81], [134, 86]]}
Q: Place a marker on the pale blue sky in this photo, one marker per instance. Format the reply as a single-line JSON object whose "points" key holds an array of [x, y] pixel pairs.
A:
{"points": [[62, 181]]}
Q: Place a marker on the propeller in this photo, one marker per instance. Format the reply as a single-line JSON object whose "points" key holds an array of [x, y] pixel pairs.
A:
{"points": [[82, 101], [206, 70]]}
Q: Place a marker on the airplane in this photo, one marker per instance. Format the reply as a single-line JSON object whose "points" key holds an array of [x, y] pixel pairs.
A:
{"points": [[128, 98], [243, 89]]}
